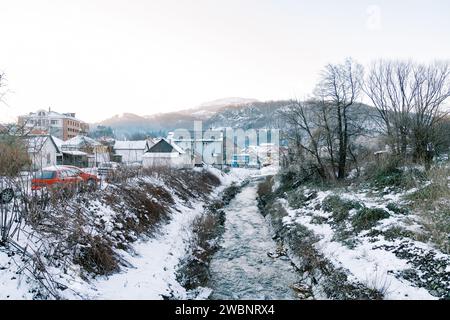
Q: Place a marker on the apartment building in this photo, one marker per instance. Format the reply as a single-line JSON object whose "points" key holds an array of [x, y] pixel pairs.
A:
{"points": [[64, 126]]}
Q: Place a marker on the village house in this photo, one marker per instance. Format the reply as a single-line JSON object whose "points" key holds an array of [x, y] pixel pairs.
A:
{"points": [[131, 151], [82, 151], [167, 154], [64, 126], [42, 150], [205, 147]]}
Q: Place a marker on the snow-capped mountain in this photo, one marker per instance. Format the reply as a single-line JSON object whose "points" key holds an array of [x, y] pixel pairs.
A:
{"points": [[248, 114], [229, 111]]}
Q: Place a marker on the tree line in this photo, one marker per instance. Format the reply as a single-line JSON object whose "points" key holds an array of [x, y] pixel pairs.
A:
{"points": [[327, 133]]}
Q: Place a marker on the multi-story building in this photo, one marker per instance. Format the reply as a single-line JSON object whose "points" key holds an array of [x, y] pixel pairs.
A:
{"points": [[61, 125]]}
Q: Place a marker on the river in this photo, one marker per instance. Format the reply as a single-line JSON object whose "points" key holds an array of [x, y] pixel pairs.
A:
{"points": [[242, 269]]}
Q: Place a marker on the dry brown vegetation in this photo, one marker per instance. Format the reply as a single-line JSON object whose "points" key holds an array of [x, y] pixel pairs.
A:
{"points": [[75, 228]]}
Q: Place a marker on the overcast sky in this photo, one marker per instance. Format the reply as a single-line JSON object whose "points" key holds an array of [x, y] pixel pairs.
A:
{"points": [[99, 58]]}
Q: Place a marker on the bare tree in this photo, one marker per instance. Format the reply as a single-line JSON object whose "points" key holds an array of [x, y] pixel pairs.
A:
{"points": [[433, 89], [408, 98], [305, 135], [340, 88]]}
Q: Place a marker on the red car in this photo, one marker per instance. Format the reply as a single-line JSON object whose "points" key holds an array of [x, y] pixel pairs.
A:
{"points": [[90, 179], [62, 177]]}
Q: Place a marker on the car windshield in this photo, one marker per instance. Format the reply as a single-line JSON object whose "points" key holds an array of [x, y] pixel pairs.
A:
{"points": [[74, 172], [46, 175], [71, 172]]}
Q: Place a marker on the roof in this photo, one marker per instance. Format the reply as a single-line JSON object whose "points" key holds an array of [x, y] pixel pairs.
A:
{"points": [[36, 142], [52, 114], [75, 153], [79, 141], [164, 146], [131, 145], [58, 142]]}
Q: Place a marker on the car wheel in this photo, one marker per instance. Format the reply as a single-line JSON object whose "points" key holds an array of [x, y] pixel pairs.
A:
{"points": [[92, 185], [6, 196]]}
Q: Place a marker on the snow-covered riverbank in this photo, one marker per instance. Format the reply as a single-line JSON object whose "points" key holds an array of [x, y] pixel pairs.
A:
{"points": [[147, 265], [243, 268]]}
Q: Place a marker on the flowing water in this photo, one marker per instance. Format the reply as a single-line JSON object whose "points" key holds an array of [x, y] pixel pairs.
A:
{"points": [[242, 269]]}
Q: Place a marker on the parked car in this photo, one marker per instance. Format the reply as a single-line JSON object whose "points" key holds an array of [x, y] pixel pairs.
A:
{"points": [[90, 179], [56, 177]]}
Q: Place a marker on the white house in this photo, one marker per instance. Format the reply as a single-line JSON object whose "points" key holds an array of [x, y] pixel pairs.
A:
{"points": [[131, 151], [166, 154], [42, 150], [204, 147]]}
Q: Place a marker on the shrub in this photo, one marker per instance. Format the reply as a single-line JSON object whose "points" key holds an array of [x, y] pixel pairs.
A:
{"points": [[297, 198], [397, 232], [432, 205], [96, 256], [13, 156], [390, 174], [367, 218], [391, 206], [339, 208], [265, 194], [429, 193]]}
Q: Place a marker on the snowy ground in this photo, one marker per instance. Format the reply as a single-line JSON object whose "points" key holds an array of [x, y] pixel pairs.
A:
{"points": [[152, 263], [153, 275], [368, 260]]}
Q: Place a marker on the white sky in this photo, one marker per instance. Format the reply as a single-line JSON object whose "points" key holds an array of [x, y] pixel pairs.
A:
{"points": [[104, 57]]}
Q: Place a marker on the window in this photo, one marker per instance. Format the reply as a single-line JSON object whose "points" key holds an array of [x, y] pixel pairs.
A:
{"points": [[73, 172], [54, 122], [46, 175], [49, 159]]}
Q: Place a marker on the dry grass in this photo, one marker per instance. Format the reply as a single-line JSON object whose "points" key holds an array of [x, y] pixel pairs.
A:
{"points": [[75, 231], [432, 205]]}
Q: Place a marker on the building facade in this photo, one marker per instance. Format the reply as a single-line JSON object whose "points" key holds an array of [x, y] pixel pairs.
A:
{"points": [[42, 150], [167, 154], [131, 151], [64, 126], [204, 147]]}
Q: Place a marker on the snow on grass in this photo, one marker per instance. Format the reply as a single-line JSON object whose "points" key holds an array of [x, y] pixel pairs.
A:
{"points": [[151, 263], [366, 261], [153, 274], [13, 285], [155, 262]]}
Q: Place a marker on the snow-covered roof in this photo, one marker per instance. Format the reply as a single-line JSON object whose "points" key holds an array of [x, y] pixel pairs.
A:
{"points": [[75, 153], [81, 141], [36, 142], [178, 148], [131, 145], [58, 142], [54, 115], [164, 146]]}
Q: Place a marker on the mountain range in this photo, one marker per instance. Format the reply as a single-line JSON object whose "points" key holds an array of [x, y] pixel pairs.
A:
{"points": [[230, 112], [235, 112]]}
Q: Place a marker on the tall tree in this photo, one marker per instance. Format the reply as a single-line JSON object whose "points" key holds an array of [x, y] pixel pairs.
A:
{"points": [[340, 87], [409, 97]]}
